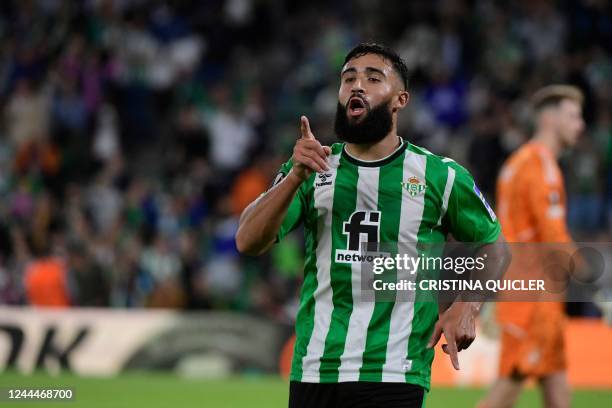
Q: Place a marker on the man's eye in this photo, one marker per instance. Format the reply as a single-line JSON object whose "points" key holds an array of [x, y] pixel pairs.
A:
{"points": [[374, 79], [349, 79]]}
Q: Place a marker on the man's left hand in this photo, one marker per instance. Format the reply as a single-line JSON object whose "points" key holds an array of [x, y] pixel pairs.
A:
{"points": [[458, 323]]}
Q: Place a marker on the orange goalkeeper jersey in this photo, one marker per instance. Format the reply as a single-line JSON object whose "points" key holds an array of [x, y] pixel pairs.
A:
{"points": [[531, 196], [531, 206]]}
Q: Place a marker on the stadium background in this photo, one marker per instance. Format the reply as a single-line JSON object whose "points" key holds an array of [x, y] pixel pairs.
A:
{"points": [[133, 133]]}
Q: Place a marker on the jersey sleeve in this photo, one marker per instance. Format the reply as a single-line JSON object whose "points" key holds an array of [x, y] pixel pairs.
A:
{"points": [[469, 218], [296, 210], [546, 201]]}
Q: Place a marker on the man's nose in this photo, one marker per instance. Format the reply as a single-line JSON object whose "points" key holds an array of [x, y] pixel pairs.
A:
{"points": [[357, 86]]}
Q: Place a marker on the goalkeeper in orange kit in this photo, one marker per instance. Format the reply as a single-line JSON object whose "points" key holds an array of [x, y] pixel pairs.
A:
{"points": [[532, 208]]}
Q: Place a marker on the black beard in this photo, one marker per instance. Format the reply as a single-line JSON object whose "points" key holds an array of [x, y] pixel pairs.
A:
{"points": [[372, 128]]}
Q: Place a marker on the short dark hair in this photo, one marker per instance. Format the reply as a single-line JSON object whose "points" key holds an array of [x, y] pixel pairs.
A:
{"points": [[552, 95], [387, 53]]}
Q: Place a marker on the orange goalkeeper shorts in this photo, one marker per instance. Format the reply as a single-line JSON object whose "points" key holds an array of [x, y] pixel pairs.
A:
{"points": [[536, 349]]}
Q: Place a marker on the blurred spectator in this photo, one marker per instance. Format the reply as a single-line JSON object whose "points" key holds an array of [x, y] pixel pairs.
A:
{"points": [[105, 145], [223, 274], [543, 29], [446, 98], [253, 181], [46, 281], [486, 152], [585, 203], [27, 113], [89, 283], [230, 132]]}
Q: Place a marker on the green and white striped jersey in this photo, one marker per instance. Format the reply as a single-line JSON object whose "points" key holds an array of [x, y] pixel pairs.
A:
{"points": [[412, 196]]}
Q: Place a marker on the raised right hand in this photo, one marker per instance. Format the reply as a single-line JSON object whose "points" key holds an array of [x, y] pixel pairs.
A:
{"points": [[308, 154]]}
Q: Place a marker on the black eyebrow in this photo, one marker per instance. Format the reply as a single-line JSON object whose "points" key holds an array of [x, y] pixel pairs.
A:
{"points": [[368, 69], [378, 71], [348, 70]]}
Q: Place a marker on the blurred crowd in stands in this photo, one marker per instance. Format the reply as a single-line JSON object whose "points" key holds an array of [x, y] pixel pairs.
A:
{"points": [[133, 133]]}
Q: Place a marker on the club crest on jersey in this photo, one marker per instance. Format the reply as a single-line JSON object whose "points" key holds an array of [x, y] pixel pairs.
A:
{"points": [[484, 201], [414, 186]]}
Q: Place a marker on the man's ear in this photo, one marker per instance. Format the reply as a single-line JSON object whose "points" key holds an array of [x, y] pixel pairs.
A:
{"points": [[402, 100]]}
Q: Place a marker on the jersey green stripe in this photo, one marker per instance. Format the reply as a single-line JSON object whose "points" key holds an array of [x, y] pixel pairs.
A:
{"points": [[389, 205], [345, 196], [305, 315], [426, 309]]}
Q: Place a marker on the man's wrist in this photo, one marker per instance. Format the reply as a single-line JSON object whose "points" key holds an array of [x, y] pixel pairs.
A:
{"points": [[472, 306], [294, 180]]}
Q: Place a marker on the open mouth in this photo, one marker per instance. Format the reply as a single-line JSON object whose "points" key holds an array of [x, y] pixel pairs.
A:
{"points": [[356, 107]]}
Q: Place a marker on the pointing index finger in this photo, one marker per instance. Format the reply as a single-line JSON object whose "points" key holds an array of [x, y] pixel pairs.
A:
{"points": [[451, 347], [305, 128]]}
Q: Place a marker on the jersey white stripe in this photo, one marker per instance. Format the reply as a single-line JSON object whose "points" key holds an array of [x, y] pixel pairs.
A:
{"points": [[323, 201], [400, 328], [450, 180], [351, 359]]}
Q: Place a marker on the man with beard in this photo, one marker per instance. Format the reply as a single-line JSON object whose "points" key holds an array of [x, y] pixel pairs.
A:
{"points": [[374, 188]]}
